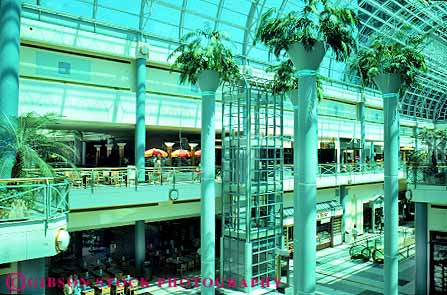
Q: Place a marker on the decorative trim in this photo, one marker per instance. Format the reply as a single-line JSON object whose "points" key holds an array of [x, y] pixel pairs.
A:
{"points": [[303, 73], [389, 95], [173, 194], [208, 93]]}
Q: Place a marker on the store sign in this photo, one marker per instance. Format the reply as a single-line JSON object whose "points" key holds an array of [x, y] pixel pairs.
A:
{"points": [[323, 214], [325, 220], [338, 212]]}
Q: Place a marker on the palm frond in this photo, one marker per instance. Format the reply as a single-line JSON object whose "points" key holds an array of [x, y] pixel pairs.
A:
{"points": [[32, 143], [204, 51], [320, 22]]}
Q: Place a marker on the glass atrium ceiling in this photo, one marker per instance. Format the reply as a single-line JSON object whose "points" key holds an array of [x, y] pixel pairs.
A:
{"points": [[163, 22]]}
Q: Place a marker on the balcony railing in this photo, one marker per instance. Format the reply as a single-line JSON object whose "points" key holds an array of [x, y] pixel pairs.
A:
{"points": [[33, 198], [96, 178], [427, 175], [341, 169]]}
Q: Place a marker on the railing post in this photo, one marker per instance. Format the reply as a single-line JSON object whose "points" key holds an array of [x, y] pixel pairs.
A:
{"points": [[92, 181], [47, 203], [136, 178], [173, 176]]}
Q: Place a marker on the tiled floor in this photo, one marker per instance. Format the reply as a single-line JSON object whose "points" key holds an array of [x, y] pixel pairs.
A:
{"points": [[337, 274]]}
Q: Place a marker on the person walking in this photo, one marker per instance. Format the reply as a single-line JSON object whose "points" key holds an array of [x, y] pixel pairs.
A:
{"points": [[354, 233]]}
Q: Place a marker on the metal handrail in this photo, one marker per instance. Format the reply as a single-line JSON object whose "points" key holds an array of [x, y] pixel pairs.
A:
{"points": [[131, 176], [33, 198]]}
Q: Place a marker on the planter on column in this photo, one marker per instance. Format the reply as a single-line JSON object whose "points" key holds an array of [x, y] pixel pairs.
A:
{"points": [[208, 82], [109, 147], [305, 158], [169, 146], [193, 150], [390, 84], [121, 146], [98, 153]]}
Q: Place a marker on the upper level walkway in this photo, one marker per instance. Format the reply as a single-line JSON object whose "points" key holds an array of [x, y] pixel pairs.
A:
{"points": [[107, 187], [428, 183], [33, 212], [104, 197]]}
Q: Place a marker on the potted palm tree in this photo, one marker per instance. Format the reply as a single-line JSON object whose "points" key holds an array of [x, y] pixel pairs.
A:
{"points": [[203, 58], [393, 66], [305, 36], [34, 144]]}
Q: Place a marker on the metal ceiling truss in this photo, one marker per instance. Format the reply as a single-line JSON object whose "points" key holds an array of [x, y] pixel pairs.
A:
{"points": [[383, 17], [388, 18]]}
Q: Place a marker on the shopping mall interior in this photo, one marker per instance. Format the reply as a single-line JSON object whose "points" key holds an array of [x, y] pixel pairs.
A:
{"points": [[223, 147]]}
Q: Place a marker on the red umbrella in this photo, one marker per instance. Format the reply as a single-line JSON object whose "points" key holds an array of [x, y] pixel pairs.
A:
{"points": [[198, 154], [154, 153], [181, 154]]}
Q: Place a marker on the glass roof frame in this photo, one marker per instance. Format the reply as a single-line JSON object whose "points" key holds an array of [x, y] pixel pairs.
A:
{"points": [[174, 18]]}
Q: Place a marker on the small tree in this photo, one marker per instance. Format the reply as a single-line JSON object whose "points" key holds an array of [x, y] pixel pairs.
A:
{"points": [[34, 144]]}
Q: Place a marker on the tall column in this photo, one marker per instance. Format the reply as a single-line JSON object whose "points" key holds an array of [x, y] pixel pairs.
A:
{"points": [[140, 121], [208, 82], [140, 246], [33, 268], [78, 244], [372, 153], [373, 218], [361, 109], [421, 248], [390, 84], [391, 158], [343, 193], [208, 190], [83, 153], [10, 11], [338, 151], [109, 147], [305, 158]]}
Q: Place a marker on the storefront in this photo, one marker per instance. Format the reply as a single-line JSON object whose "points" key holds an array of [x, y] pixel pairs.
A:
{"points": [[329, 221], [373, 215], [438, 262]]}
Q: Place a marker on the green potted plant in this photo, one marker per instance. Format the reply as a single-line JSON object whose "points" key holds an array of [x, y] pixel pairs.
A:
{"points": [[306, 35], [203, 58], [393, 66]]}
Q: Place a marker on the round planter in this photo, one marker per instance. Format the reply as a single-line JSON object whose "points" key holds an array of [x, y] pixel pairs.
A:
{"points": [[306, 60], [208, 80], [388, 82]]}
